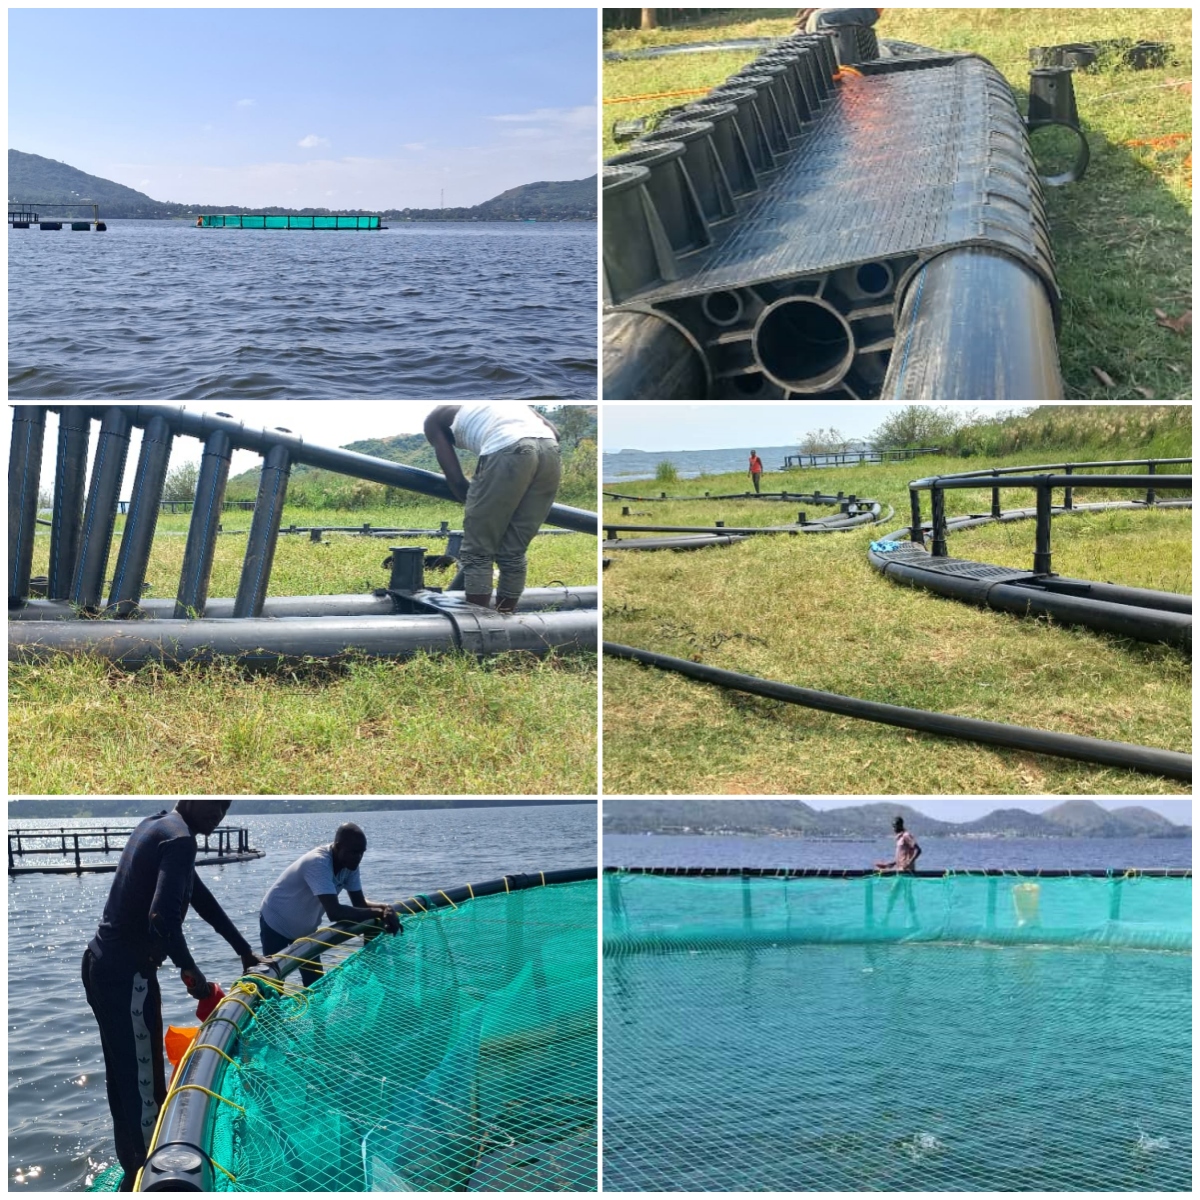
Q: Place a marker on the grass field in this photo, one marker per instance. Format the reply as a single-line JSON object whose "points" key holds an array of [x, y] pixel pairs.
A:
{"points": [[1122, 237], [437, 726], [810, 610]]}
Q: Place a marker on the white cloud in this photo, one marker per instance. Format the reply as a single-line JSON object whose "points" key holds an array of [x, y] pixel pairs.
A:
{"points": [[413, 146], [245, 104], [312, 141], [583, 116]]}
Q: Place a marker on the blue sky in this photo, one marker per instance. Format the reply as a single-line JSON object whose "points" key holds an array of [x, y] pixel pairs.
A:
{"points": [[717, 426], [350, 108]]}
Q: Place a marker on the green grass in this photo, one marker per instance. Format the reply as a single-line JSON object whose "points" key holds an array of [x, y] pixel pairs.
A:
{"points": [[1122, 237], [444, 725], [811, 611]]}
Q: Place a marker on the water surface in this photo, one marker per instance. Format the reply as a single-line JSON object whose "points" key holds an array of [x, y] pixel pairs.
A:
{"points": [[162, 310]]}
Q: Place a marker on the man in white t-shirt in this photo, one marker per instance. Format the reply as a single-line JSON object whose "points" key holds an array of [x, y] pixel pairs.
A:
{"points": [[516, 480], [307, 893]]}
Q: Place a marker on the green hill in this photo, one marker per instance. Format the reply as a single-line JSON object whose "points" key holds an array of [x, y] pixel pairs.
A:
{"points": [[32, 178]]}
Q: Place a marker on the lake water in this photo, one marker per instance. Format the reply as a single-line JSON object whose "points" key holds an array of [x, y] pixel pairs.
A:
{"points": [[162, 310], [60, 1133], [623, 466], [937, 853]]}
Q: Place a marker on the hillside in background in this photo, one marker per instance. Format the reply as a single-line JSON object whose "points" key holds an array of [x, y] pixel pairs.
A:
{"points": [[1074, 818], [32, 178]]}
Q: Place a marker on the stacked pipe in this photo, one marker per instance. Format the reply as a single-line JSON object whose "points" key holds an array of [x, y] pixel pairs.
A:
{"points": [[671, 197], [82, 532]]}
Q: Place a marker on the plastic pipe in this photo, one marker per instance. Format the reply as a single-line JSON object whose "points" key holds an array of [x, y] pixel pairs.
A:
{"points": [[70, 489], [100, 512], [345, 462], [202, 528], [266, 643], [137, 538], [24, 478], [264, 533], [377, 604], [974, 324], [178, 1160], [869, 873], [646, 357], [1167, 763]]}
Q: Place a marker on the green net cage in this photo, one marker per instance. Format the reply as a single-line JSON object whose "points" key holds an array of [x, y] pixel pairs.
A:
{"points": [[458, 1056], [954, 1033], [265, 221]]}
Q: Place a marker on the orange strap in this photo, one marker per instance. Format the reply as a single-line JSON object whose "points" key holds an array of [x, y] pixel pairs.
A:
{"points": [[658, 96]]}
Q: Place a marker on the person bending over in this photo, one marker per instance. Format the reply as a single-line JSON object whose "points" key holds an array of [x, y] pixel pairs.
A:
{"points": [[308, 891], [516, 480], [142, 926]]}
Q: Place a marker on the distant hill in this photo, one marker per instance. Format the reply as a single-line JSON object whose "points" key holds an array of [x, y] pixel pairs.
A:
{"points": [[1075, 818], [32, 178]]}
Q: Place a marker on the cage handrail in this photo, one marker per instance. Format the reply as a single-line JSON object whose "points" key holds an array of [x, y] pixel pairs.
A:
{"points": [[988, 472], [1115, 873]]}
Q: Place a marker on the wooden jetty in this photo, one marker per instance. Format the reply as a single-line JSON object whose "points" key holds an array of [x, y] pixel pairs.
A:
{"points": [[25, 214], [228, 843]]}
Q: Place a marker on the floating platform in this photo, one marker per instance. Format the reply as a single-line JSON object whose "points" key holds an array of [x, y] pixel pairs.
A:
{"points": [[101, 868], [272, 221]]}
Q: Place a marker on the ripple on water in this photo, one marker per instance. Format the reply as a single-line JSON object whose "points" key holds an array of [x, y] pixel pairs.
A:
{"points": [[160, 310]]}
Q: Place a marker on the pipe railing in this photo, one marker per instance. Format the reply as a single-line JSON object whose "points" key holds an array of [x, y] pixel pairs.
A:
{"points": [[1116, 873], [1043, 486], [225, 841], [84, 515]]}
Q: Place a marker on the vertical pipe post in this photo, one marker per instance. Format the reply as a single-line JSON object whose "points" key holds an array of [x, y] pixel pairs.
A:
{"points": [[408, 569], [192, 595], [1114, 899], [869, 903], [78, 861], [937, 501], [991, 903], [137, 540], [915, 533], [996, 509], [1069, 493], [100, 512], [24, 478], [1041, 549], [264, 533], [1150, 470], [70, 488], [747, 907]]}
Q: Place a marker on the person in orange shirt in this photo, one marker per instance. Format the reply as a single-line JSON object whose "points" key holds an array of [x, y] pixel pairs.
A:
{"points": [[756, 470]]}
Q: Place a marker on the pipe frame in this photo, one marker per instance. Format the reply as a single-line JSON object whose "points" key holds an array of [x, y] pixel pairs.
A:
{"points": [[70, 491], [264, 533], [137, 539], [24, 479], [191, 597], [100, 510]]}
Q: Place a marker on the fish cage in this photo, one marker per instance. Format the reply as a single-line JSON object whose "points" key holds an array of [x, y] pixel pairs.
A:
{"points": [[73, 617], [855, 1031], [1146, 614], [273, 221], [459, 1055]]}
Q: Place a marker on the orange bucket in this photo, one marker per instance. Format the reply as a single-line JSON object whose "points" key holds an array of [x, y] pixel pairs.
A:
{"points": [[177, 1041]]}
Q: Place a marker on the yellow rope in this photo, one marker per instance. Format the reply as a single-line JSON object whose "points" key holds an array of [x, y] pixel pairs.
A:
{"points": [[198, 1045], [471, 891], [657, 96], [449, 901], [506, 884], [196, 1087]]}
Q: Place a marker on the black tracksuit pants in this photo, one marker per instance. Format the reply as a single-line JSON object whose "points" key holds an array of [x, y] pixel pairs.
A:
{"points": [[128, 1008]]}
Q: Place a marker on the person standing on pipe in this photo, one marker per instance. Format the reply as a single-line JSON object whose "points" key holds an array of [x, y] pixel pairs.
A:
{"points": [[905, 865], [142, 926], [516, 480], [756, 470], [308, 891]]}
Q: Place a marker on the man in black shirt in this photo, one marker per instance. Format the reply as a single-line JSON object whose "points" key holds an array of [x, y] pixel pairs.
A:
{"points": [[142, 926]]}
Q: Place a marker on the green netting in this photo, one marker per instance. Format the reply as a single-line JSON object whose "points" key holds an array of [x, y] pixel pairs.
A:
{"points": [[771, 1035], [460, 1055], [261, 221]]}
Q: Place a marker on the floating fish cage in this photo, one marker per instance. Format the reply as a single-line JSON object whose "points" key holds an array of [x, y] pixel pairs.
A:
{"points": [[74, 617], [460, 1055], [1146, 614], [844, 217], [847, 1031], [272, 221]]}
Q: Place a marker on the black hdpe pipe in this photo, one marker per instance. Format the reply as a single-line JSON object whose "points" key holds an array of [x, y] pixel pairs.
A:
{"points": [[974, 324], [343, 462], [178, 1160], [1115, 874], [1167, 763], [648, 358], [266, 643], [370, 605]]}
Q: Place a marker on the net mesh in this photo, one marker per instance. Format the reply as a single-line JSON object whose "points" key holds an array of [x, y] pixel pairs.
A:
{"points": [[265, 221], [460, 1055], [883, 1034]]}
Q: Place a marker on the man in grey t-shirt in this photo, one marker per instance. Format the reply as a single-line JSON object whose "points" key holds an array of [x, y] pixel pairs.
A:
{"points": [[307, 892]]}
